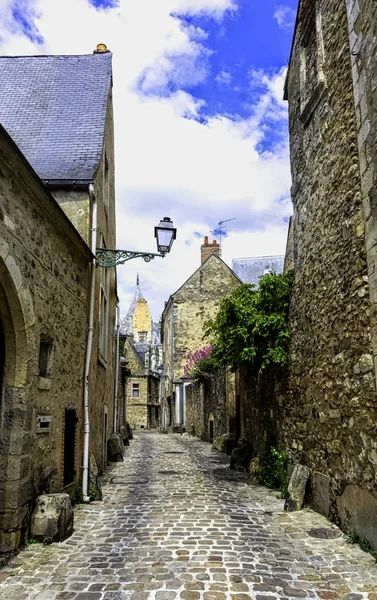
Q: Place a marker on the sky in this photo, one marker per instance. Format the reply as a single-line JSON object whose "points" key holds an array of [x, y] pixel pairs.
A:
{"points": [[200, 122]]}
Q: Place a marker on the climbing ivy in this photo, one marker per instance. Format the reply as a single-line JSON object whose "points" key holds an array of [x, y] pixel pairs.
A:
{"points": [[251, 326]]}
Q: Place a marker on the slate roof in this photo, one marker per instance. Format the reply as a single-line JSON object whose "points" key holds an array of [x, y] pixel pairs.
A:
{"points": [[126, 322], [141, 348], [54, 108], [250, 269]]}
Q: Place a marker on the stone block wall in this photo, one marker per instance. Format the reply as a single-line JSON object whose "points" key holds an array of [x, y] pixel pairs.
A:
{"points": [[137, 408], [43, 310], [325, 413], [206, 402]]}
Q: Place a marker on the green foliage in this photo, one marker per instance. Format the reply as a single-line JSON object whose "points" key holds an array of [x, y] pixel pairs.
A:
{"points": [[79, 499], [273, 470], [30, 540], [92, 494], [365, 545], [251, 325], [122, 345]]}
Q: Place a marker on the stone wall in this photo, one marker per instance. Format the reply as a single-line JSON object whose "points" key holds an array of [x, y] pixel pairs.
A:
{"points": [[76, 204], [206, 402], [44, 269], [328, 419]]}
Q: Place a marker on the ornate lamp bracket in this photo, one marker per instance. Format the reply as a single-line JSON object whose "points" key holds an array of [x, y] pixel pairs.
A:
{"points": [[112, 258]]}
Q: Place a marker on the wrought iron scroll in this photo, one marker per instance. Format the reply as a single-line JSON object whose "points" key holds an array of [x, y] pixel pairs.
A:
{"points": [[112, 258]]}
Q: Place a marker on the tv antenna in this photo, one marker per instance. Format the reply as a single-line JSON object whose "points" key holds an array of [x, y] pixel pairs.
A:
{"points": [[220, 227]]}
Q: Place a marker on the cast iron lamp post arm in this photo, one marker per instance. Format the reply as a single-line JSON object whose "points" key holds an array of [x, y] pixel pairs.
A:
{"points": [[113, 258]]}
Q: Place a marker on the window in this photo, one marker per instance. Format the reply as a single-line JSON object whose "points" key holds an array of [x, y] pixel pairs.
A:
{"points": [[312, 80], [135, 390], [46, 358], [104, 311]]}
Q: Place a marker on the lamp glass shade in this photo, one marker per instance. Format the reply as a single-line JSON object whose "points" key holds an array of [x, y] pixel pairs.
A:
{"points": [[165, 233]]}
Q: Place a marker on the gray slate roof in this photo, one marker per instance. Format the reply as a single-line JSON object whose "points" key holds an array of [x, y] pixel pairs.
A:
{"points": [[54, 108], [141, 348], [250, 269]]}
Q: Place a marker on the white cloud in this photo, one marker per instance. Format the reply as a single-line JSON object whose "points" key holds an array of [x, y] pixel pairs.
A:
{"points": [[224, 78], [285, 16], [167, 162]]}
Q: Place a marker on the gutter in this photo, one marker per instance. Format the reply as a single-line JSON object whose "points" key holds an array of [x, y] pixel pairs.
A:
{"points": [[89, 344], [68, 183]]}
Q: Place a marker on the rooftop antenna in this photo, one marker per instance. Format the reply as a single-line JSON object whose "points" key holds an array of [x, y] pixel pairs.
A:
{"points": [[220, 227]]}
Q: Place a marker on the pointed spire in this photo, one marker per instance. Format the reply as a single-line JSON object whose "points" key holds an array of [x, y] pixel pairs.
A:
{"points": [[137, 280]]}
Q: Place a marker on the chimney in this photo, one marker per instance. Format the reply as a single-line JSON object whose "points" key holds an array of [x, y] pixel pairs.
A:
{"points": [[101, 49], [207, 249]]}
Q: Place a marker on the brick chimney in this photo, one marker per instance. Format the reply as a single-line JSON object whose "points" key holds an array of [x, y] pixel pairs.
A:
{"points": [[207, 249]]}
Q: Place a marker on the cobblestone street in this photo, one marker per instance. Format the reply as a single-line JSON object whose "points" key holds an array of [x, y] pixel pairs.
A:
{"points": [[176, 523]]}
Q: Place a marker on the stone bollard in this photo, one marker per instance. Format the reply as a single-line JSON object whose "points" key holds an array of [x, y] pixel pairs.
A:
{"points": [[296, 488], [52, 518], [115, 448], [123, 432]]}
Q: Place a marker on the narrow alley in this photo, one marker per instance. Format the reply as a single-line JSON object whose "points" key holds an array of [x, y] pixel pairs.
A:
{"points": [[176, 523]]}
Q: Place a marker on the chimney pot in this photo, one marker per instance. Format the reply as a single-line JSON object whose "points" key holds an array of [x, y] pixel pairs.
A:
{"points": [[101, 49], [208, 249]]}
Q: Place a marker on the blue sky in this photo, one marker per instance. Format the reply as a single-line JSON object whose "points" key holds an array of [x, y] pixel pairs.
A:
{"points": [[200, 123], [249, 39]]}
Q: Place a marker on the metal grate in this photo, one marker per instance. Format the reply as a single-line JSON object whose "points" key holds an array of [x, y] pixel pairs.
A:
{"points": [[325, 533]]}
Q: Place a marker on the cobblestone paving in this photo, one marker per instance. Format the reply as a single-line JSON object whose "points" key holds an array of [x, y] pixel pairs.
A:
{"points": [[175, 524]]}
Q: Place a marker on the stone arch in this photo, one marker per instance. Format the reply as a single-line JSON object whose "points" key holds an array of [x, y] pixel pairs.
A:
{"points": [[17, 315]]}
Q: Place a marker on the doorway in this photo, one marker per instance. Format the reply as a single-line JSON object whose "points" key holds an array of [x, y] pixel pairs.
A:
{"points": [[69, 446]]}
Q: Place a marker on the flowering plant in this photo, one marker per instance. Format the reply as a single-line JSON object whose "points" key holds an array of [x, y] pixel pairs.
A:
{"points": [[200, 364]]}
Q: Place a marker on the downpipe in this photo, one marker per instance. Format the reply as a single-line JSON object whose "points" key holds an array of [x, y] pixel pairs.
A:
{"points": [[89, 345], [117, 358]]}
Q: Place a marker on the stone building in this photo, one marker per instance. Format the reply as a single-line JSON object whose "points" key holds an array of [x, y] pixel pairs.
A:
{"points": [[328, 419], [56, 207], [183, 318], [143, 384], [143, 353]]}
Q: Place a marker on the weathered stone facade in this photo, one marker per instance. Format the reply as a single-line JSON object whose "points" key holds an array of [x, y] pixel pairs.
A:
{"points": [[43, 307], [46, 265], [328, 419], [142, 388], [209, 409], [182, 326]]}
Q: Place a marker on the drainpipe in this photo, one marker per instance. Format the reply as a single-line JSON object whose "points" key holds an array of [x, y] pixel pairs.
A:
{"points": [[89, 344], [116, 371]]}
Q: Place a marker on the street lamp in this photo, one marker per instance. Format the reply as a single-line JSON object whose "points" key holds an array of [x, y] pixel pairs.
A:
{"points": [[165, 232]]}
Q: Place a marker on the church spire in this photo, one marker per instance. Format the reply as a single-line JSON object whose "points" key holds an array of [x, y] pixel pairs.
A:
{"points": [[137, 280]]}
